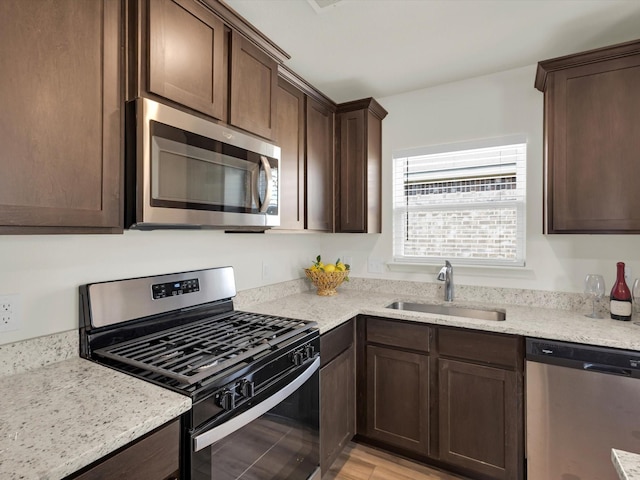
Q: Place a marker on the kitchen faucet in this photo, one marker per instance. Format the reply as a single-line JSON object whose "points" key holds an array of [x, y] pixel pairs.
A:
{"points": [[446, 275]]}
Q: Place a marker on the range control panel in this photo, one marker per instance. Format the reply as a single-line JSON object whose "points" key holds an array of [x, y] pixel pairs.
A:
{"points": [[171, 289]]}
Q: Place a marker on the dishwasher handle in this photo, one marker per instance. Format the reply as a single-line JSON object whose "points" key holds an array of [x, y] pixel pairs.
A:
{"points": [[611, 370]]}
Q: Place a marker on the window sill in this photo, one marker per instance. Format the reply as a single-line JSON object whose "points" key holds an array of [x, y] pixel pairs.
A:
{"points": [[468, 270]]}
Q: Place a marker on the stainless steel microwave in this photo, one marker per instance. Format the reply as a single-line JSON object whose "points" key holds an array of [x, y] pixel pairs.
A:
{"points": [[183, 171]]}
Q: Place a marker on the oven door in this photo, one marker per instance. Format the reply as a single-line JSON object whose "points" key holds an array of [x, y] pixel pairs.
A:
{"points": [[274, 438]]}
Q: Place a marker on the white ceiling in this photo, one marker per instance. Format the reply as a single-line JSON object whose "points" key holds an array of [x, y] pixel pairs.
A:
{"points": [[363, 48]]}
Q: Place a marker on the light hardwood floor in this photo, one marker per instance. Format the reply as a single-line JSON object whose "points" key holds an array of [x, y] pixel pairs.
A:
{"points": [[359, 462]]}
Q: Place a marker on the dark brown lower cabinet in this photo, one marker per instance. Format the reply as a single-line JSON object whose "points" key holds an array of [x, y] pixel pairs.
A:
{"points": [[337, 393], [478, 418], [447, 396], [398, 398], [337, 396], [480, 397], [155, 457]]}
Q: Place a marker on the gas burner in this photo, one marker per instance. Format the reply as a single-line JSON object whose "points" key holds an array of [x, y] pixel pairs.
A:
{"points": [[206, 366], [171, 354]]}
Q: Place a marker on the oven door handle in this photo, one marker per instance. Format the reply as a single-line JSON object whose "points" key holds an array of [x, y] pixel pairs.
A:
{"points": [[227, 428]]}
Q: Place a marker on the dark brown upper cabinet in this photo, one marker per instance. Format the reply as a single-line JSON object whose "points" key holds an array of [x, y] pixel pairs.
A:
{"points": [[290, 137], [61, 97], [358, 166], [203, 56], [319, 175], [305, 134], [592, 140], [254, 81], [187, 58]]}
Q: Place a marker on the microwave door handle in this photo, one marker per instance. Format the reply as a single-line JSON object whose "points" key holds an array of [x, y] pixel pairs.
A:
{"points": [[227, 428], [268, 180], [255, 190]]}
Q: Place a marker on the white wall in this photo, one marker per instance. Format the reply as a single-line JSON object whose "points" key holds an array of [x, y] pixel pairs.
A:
{"points": [[46, 270], [496, 105]]}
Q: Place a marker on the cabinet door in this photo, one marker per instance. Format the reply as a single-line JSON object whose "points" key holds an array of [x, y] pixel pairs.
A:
{"points": [[61, 97], [593, 135], [254, 80], [155, 457], [337, 407], [188, 56], [359, 166], [397, 390], [289, 136], [479, 419], [319, 166], [352, 188]]}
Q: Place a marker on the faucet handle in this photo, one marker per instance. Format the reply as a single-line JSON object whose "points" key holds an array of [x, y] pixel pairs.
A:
{"points": [[442, 275]]}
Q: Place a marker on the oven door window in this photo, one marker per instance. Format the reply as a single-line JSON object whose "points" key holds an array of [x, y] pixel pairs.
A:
{"points": [[194, 172], [281, 444]]}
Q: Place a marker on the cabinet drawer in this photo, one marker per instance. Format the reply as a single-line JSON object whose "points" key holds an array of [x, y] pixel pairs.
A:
{"points": [[491, 348], [335, 341], [398, 334]]}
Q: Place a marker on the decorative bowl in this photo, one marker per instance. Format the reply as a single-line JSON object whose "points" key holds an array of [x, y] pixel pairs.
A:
{"points": [[326, 282]]}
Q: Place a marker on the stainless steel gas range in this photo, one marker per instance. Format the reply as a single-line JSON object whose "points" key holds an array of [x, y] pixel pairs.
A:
{"points": [[253, 379]]}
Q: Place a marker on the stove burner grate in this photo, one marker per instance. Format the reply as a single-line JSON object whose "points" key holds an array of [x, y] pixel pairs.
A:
{"points": [[192, 352]]}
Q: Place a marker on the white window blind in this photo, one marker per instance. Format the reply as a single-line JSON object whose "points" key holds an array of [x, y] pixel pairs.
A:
{"points": [[465, 205]]}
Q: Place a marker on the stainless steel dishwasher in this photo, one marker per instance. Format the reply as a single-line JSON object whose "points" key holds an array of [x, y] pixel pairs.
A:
{"points": [[581, 402]]}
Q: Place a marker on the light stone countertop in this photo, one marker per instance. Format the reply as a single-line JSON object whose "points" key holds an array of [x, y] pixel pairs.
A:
{"points": [[556, 324], [59, 418], [627, 464]]}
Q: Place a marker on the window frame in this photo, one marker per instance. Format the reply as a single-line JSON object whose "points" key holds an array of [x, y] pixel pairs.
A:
{"points": [[398, 213]]}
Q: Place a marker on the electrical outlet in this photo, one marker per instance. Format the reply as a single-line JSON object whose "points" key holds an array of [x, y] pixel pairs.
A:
{"points": [[9, 313], [376, 265]]}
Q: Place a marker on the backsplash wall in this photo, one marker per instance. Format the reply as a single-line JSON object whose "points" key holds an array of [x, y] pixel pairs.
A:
{"points": [[46, 270]]}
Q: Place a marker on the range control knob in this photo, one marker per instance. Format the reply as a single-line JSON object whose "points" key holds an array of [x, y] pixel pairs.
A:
{"points": [[298, 357], [227, 400], [309, 351], [247, 388]]}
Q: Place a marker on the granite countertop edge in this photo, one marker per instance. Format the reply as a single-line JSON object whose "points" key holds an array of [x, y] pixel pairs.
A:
{"points": [[58, 419], [627, 464]]}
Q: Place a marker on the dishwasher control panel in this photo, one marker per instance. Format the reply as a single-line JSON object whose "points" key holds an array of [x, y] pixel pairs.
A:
{"points": [[586, 357]]}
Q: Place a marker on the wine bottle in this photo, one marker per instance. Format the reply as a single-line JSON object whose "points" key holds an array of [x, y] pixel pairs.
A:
{"points": [[620, 296]]}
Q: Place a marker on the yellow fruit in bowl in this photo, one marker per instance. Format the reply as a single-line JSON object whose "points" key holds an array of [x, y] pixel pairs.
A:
{"points": [[326, 277]]}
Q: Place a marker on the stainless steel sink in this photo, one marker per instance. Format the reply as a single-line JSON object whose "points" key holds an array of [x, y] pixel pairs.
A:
{"points": [[456, 311]]}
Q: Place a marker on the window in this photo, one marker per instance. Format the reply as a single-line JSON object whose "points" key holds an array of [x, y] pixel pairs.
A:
{"points": [[461, 204]]}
